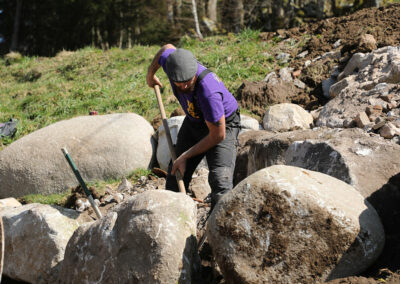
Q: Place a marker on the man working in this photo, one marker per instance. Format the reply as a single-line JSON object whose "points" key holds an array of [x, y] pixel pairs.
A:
{"points": [[212, 121]]}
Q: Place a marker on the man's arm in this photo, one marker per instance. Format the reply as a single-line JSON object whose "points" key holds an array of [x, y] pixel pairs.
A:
{"points": [[216, 135], [151, 78]]}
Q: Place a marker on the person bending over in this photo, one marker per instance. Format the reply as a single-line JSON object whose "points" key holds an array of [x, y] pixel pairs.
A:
{"points": [[212, 121]]}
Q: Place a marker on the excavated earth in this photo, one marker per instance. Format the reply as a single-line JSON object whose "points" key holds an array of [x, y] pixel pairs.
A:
{"points": [[382, 23]]}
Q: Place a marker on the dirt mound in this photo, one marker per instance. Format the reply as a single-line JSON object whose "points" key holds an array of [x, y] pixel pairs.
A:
{"points": [[332, 43], [382, 23]]}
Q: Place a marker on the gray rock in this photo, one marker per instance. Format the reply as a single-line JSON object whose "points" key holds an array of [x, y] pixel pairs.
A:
{"points": [[163, 153], [341, 153], [36, 236], [285, 224], [271, 77], [299, 84], [337, 43], [283, 57], [286, 117], [389, 130], [248, 122], [9, 202], [149, 238], [199, 185], [365, 79], [102, 147], [302, 54], [286, 74]]}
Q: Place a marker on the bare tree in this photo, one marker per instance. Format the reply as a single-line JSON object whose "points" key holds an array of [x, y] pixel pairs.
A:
{"points": [[212, 10], [196, 20], [14, 40]]}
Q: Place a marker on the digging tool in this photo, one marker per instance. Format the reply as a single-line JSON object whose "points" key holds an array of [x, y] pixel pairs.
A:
{"points": [[178, 175], [82, 183]]}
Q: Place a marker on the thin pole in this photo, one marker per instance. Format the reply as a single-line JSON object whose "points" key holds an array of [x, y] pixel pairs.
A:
{"points": [[82, 183], [181, 184]]}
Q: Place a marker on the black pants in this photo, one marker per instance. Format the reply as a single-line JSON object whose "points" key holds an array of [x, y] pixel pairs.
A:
{"points": [[220, 159]]}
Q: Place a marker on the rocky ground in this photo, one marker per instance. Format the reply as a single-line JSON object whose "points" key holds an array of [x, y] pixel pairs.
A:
{"points": [[333, 41]]}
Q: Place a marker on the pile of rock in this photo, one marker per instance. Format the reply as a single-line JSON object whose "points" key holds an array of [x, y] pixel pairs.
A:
{"points": [[367, 94]]}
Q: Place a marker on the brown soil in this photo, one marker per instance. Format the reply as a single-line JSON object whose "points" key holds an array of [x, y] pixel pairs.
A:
{"points": [[382, 23]]}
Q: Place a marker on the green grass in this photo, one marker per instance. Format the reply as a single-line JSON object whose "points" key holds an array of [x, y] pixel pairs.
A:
{"points": [[57, 199], [39, 91]]}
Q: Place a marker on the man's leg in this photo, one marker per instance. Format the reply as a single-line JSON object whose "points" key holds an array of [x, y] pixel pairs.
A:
{"points": [[186, 139], [221, 163]]}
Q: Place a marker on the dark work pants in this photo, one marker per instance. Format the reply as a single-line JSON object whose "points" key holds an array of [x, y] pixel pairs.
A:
{"points": [[220, 159]]}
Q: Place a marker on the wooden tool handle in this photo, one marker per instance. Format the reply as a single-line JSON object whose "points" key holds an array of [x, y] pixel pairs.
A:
{"points": [[178, 175]]}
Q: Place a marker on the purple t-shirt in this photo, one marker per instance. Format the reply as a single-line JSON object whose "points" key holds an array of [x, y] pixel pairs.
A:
{"points": [[213, 98]]}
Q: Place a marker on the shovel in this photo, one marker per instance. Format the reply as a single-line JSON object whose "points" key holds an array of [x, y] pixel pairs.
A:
{"points": [[178, 175]]}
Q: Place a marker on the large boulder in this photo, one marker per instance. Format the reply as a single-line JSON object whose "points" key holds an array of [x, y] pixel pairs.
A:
{"points": [[350, 155], [102, 147], [287, 117], [36, 236], [370, 79], [150, 238], [163, 153], [285, 224]]}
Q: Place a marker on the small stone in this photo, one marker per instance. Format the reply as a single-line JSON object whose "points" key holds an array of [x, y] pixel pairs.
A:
{"points": [[375, 109], [337, 43], [379, 125], [303, 54], [349, 123], [387, 98], [367, 43], [389, 130], [285, 74], [299, 84], [125, 185], [283, 57], [307, 63], [270, 76], [362, 120], [296, 73]]}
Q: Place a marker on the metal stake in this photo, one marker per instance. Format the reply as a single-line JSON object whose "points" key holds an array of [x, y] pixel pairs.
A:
{"points": [[82, 183]]}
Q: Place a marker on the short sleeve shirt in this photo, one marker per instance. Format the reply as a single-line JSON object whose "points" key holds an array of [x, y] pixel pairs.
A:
{"points": [[209, 101]]}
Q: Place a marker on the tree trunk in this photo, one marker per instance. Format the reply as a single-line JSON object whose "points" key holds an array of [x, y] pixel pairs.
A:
{"points": [[14, 40], [212, 10], [170, 11], [121, 29], [238, 16], [196, 20]]}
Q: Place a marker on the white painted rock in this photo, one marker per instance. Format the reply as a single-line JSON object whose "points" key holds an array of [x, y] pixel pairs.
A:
{"points": [[286, 117], [150, 238], [248, 122], [36, 236], [285, 224], [9, 202], [102, 147], [163, 154]]}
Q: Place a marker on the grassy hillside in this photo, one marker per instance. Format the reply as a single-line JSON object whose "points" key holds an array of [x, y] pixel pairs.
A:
{"points": [[39, 91]]}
